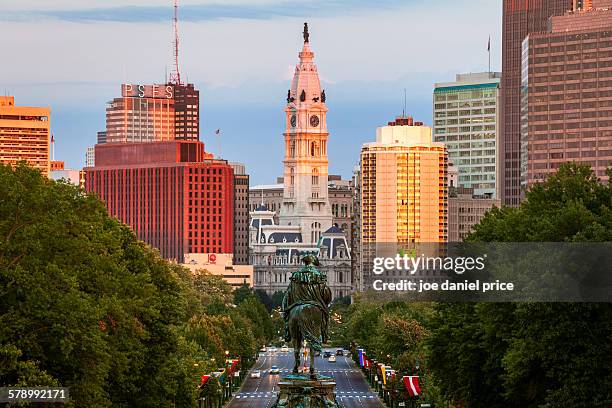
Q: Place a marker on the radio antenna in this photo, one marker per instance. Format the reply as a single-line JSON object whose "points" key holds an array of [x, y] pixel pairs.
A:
{"points": [[175, 75]]}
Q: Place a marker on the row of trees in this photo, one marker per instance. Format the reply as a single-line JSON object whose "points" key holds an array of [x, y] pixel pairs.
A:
{"points": [[85, 305], [507, 354]]}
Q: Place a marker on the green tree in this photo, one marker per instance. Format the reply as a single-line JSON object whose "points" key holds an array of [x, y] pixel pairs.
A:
{"points": [[83, 303], [532, 354], [241, 293]]}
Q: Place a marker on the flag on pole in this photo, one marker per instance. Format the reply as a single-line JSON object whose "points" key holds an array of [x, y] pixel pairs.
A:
{"points": [[489, 44], [204, 379], [52, 138], [411, 382], [218, 132], [360, 355]]}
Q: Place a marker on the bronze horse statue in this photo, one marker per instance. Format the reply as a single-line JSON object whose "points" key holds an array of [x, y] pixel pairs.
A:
{"points": [[306, 310]]}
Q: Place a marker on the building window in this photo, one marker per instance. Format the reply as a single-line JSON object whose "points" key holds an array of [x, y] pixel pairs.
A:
{"points": [[315, 177]]}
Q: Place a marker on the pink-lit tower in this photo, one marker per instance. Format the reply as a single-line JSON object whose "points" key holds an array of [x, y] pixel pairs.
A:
{"points": [[305, 201]]}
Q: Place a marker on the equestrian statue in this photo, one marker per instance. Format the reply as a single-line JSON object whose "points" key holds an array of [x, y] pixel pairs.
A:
{"points": [[306, 313]]}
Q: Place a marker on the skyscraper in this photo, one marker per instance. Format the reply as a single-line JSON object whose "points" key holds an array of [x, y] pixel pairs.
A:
{"points": [[520, 17], [466, 120], [24, 135], [143, 113], [566, 100], [404, 195], [186, 112], [403, 185]]}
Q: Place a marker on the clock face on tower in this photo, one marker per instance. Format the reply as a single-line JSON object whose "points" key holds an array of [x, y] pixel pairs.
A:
{"points": [[314, 121], [293, 120]]}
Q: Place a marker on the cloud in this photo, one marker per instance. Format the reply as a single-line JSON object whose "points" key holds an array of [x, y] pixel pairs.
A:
{"points": [[205, 12]]}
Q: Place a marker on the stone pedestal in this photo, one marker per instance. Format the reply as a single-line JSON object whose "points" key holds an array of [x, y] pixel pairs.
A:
{"points": [[300, 391]]}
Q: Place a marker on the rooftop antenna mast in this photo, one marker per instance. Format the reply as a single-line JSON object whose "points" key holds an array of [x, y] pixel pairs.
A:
{"points": [[175, 75]]}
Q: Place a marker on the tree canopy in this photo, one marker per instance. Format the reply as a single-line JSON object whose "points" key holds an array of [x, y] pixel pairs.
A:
{"points": [[532, 354], [84, 304]]}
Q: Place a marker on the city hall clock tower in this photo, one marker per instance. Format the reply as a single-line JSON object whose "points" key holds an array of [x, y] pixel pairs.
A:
{"points": [[305, 198]]}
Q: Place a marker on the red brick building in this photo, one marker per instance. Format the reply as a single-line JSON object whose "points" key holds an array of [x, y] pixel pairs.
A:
{"points": [[173, 194]]}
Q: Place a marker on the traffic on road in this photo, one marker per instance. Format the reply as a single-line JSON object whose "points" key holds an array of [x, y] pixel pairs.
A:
{"points": [[260, 390]]}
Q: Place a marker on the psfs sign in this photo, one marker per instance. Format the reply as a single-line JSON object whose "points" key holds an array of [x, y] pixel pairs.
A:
{"points": [[147, 91]]}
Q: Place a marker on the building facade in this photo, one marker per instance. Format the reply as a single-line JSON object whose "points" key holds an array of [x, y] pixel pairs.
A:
{"points": [[520, 17], [303, 224], [90, 156], [466, 119], [567, 95], [356, 268], [222, 265], [101, 137], [143, 113], [465, 210], [404, 196], [241, 214], [73, 176], [172, 194], [340, 200], [25, 135], [186, 112], [276, 252], [270, 195]]}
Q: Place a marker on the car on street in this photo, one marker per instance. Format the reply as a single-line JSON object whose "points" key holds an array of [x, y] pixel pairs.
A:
{"points": [[347, 353], [339, 352], [274, 370], [284, 349], [255, 374], [327, 354], [272, 349], [332, 359]]}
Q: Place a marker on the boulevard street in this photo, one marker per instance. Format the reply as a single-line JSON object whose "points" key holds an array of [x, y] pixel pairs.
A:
{"points": [[351, 387]]}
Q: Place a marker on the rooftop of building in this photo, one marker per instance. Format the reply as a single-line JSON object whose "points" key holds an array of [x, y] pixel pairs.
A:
{"points": [[10, 111], [267, 187], [403, 131], [472, 80]]}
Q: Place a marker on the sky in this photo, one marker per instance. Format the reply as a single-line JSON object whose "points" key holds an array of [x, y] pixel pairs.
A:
{"points": [[73, 55]]}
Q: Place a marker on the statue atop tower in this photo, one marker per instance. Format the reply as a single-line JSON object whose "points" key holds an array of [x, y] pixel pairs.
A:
{"points": [[305, 198]]}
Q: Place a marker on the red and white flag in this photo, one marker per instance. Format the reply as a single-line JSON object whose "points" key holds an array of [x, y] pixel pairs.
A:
{"points": [[412, 385]]}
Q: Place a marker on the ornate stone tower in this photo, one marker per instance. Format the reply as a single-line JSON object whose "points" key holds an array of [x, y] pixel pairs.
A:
{"points": [[305, 200]]}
